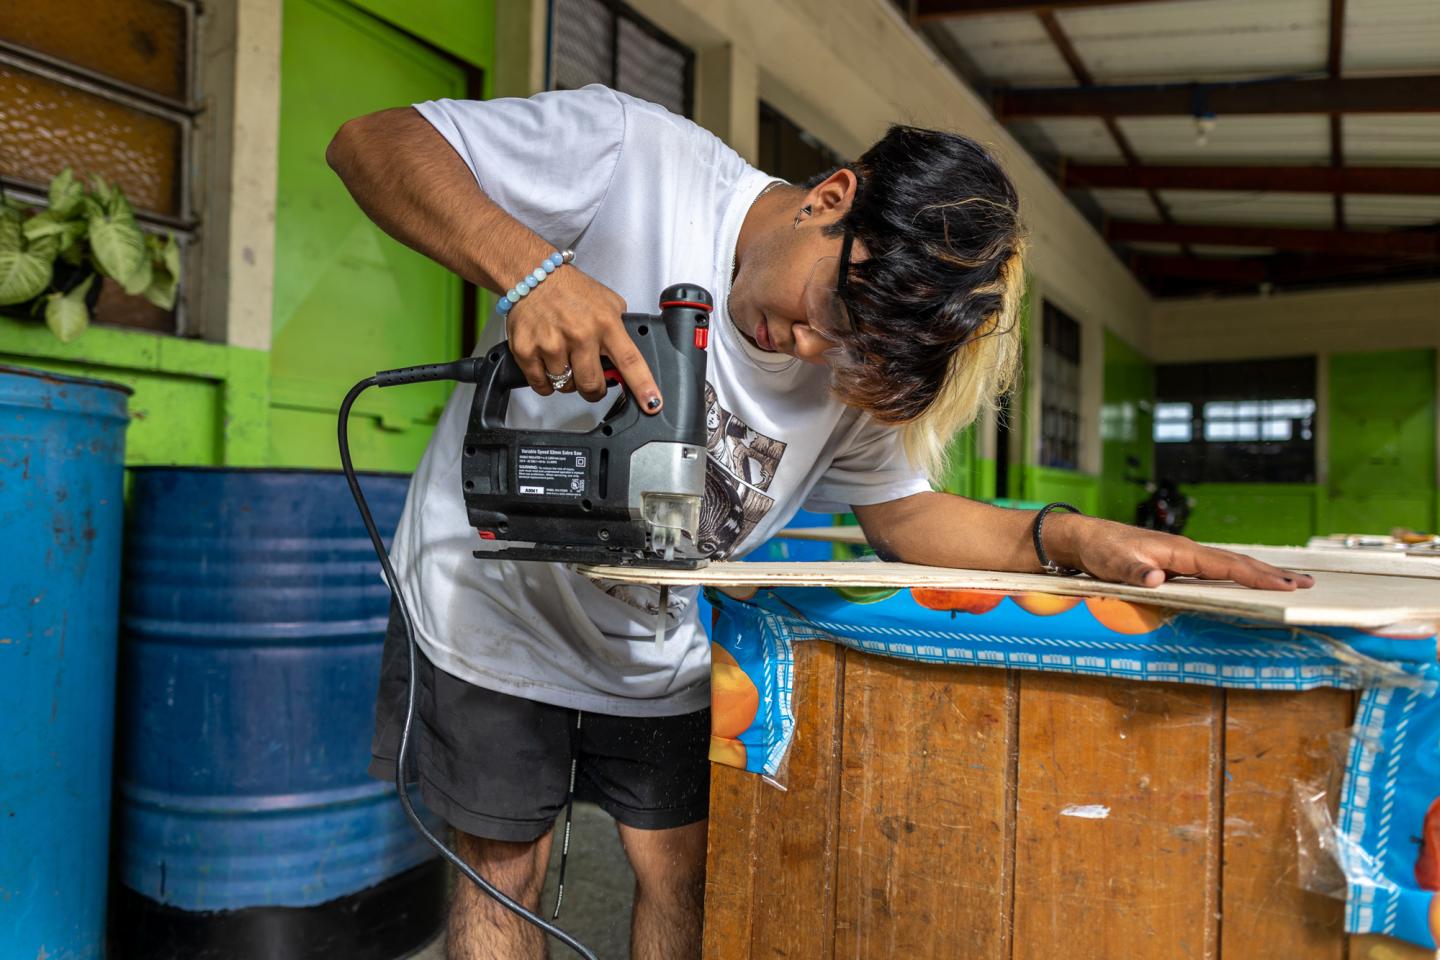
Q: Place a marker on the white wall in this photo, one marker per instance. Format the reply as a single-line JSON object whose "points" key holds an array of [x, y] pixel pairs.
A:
{"points": [[1399, 316]]}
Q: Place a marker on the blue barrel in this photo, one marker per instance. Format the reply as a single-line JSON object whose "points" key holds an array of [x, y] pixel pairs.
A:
{"points": [[62, 461], [254, 617]]}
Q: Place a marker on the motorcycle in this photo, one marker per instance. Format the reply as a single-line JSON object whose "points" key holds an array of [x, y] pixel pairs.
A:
{"points": [[1165, 508]]}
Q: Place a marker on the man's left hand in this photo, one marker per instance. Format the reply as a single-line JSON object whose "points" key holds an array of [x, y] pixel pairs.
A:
{"points": [[1147, 558]]}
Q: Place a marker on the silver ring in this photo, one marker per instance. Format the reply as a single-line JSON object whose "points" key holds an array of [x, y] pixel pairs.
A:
{"points": [[559, 380]]}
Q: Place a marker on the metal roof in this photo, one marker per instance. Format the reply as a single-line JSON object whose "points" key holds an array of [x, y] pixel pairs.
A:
{"points": [[1278, 52]]}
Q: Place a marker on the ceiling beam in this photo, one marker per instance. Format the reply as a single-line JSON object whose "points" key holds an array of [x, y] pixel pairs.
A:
{"points": [[1333, 60], [1417, 94], [1424, 181], [1392, 243], [1198, 274], [946, 9]]}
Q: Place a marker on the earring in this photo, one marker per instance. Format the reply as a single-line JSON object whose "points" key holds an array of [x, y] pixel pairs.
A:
{"points": [[805, 211]]}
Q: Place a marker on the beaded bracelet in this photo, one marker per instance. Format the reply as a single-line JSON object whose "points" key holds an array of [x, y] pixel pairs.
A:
{"points": [[532, 280]]}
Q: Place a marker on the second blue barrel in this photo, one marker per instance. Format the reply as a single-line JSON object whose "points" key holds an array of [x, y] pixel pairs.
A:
{"points": [[252, 627]]}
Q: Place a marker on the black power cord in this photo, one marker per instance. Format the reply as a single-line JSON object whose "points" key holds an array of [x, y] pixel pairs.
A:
{"points": [[464, 371]]}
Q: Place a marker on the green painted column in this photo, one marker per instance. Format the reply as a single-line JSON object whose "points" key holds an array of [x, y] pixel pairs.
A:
{"points": [[1381, 442]]}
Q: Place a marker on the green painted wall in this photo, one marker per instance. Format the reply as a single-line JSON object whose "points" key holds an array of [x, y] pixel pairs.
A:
{"points": [[960, 466], [1270, 513], [348, 299], [1047, 485], [194, 403], [1126, 427], [1381, 442]]}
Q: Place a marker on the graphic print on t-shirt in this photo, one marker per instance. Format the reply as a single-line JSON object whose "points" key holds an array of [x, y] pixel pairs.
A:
{"points": [[740, 465]]}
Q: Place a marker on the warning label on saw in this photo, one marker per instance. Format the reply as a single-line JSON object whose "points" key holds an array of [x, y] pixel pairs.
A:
{"points": [[551, 471]]}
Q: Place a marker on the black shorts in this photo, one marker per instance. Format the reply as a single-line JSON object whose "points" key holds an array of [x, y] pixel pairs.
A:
{"points": [[498, 766]]}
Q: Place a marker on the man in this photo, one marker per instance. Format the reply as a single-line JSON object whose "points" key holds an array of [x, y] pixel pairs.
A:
{"points": [[860, 321]]}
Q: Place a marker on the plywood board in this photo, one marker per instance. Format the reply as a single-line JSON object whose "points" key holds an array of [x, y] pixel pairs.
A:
{"points": [[1309, 559], [1337, 599], [1383, 563]]}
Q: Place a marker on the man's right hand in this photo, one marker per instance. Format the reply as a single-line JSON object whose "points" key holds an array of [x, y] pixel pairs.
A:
{"points": [[411, 182], [574, 319]]}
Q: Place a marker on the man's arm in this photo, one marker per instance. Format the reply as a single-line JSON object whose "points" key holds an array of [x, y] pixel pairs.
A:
{"points": [[416, 188], [942, 530]]}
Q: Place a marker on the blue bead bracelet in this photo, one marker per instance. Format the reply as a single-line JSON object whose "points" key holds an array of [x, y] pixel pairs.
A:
{"points": [[532, 280]]}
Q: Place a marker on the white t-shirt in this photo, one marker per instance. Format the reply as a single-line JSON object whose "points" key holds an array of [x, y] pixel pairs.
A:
{"points": [[646, 199]]}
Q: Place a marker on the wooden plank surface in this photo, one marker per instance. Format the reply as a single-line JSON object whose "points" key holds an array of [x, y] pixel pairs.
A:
{"points": [[1379, 562], [794, 907], [731, 863], [1337, 599], [925, 813], [1116, 849], [1271, 740]]}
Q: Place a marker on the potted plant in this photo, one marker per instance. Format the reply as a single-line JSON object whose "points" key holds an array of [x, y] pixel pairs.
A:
{"points": [[50, 258]]}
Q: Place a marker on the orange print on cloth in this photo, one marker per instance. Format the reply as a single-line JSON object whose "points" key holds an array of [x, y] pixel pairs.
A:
{"points": [[962, 601], [1122, 616], [1045, 604], [734, 698]]}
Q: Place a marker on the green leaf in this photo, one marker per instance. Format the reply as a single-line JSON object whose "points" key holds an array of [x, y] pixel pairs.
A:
{"points": [[118, 205], [119, 247], [47, 224], [12, 235], [162, 289], [67, 316], [23, 274], [73, 254], [65, 193], [139, 281], [47, 247], [170, 256]]}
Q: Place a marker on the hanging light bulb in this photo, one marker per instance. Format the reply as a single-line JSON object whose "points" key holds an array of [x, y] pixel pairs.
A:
{"points": [[1204, 123]]}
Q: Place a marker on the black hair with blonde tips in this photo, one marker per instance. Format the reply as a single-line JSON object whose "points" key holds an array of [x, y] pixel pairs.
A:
{"points": [[934, 333]]}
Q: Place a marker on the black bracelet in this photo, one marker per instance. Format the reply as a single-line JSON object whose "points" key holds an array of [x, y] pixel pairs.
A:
{"points": [[1046, 564]]}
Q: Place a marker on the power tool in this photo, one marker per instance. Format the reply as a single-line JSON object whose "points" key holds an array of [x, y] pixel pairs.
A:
{"points": [[627, 492]]}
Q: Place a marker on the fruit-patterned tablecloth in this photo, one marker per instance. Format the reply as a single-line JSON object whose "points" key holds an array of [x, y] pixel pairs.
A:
{"points": [[1387, 833]]}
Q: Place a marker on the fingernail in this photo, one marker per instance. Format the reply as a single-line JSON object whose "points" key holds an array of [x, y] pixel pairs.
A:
{"points": [[653, 403]]}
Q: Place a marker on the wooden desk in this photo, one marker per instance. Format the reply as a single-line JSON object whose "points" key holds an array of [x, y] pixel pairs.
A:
{"points": [[925, 815]]}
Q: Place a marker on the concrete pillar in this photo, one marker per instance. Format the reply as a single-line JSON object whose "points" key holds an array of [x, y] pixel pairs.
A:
{"points": [[727, 98], [237, 136]]}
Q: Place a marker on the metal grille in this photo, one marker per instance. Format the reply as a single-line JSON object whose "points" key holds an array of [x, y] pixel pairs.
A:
{"points": [[652, 68], [790, 152], [1060, 390], [582, 45], [604, 41]]}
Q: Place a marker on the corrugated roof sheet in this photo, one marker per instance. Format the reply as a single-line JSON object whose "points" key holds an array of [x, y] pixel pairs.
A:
{"points": [[1234, 139], [1013, 49], [1199, 39]]}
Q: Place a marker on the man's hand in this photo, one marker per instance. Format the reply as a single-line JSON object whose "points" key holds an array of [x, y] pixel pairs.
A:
{"points": [[413, 184], [1147, 558], [942, 530], [572, 319]]}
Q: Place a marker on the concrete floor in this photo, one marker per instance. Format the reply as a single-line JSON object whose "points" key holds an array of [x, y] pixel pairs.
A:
{"points": [[599, 887]]}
